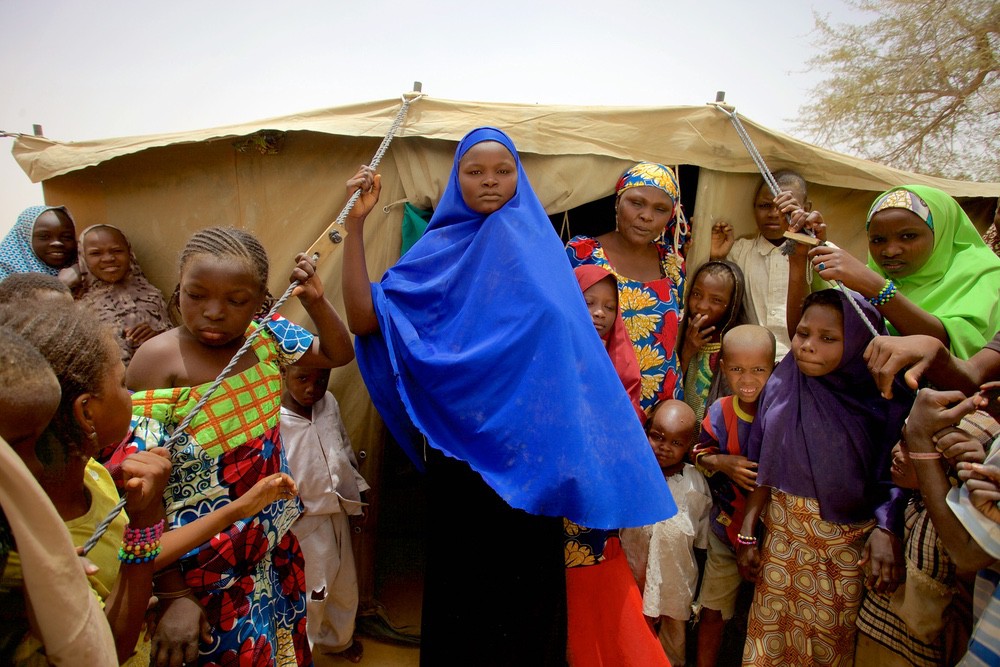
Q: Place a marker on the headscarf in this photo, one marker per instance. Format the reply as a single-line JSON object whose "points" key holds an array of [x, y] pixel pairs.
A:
{"points": [[661, 177], [959, 282], [485, 346], [131, 301], [16, 253], [830, 437], [618, 344]]}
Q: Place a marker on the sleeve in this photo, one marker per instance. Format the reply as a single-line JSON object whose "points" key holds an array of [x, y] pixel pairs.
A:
{"points": [[580, 250], [702, 524], [708, 442], [985, 532], [292, 340]]}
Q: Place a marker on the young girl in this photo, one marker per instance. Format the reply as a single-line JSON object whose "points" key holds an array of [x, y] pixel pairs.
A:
{"points": [[479, 340], [43, 240], [822, 439], [248, 577], [94, 411], [714, 306], [113, 286]]}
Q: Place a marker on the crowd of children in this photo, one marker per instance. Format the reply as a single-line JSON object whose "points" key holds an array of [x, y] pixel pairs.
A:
{"points": [[756, 438]]}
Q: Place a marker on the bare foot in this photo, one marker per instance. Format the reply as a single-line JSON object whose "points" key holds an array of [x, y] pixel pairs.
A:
{"points": [[352, 653]]}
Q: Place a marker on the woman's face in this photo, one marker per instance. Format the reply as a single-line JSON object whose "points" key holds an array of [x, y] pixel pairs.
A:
{"points": [[642, 213], [53, 239], [106, 253], [899, 241], [487, 175]]}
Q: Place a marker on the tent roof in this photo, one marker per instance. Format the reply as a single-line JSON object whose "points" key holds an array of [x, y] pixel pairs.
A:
{"points": [[698, 135]]}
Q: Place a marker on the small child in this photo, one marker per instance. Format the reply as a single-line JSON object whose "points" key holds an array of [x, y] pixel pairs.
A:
{"points": [[32, 286], [322, 462], [746, 360], [43, 240], [714, 306], [662, 555], [760, 258], [822, 438]]}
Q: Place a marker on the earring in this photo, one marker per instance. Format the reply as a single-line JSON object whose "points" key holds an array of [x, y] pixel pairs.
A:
{"points": [[93, 436]]}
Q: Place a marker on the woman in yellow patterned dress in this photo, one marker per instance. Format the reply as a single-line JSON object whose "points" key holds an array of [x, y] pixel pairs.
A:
{"points": [[650, 273]]}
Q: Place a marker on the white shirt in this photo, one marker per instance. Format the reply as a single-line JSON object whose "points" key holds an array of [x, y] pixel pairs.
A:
{"points": [[321, 459], [765, 271]]}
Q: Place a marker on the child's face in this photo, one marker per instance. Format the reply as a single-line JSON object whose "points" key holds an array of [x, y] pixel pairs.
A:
{"points": [[487, 174], [770, 222], [747, 371], [110, 407], [106, 253], [899, 241], [818, 344], [218, 298], [642, 213], [306, 385], [710, 296], [602, 302], [53, 239], [904, 475], [670, 438]]}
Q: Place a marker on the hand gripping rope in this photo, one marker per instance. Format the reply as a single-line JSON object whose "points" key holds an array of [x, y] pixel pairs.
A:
{"points": [[332, 237], [772, 185]]}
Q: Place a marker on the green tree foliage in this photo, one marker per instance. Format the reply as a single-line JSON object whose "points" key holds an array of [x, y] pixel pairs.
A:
{"points": [[917, 86]]}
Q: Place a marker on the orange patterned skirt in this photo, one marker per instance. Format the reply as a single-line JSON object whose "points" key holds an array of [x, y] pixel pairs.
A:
{"points": [[806, 602]]}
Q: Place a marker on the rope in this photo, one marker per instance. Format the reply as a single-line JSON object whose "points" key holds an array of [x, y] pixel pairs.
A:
{"points": [[102, 527], [772, 185]]}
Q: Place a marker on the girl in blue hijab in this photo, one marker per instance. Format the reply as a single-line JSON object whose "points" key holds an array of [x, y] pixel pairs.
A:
{"points": [[479, 353]]}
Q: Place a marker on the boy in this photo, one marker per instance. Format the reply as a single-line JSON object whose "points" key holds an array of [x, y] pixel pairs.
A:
{"points": [[662, 555], [746, 359], [323, 465], [764, 267]]}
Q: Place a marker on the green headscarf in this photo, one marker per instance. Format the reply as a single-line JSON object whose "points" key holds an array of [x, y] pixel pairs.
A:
{"points": [[960, 282]]}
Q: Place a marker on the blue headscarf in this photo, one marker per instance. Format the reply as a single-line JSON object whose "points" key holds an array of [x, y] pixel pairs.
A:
{"points": [[486, 347], [16, 253]]}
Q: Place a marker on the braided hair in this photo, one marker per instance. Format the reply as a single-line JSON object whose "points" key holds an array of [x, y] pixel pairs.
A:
{"points": [[80, 350], [238, 244], [18, 286], [27, 383]]}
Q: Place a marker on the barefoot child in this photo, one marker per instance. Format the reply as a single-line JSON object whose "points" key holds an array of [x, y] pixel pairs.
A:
{"points": [[248, 578], [714, 305], [662, 555], [822, 438], [94, 411], [322, 462], [746, 360]]}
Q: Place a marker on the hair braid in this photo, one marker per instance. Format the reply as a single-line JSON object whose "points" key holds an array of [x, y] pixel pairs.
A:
{"points": [[228, 242]]}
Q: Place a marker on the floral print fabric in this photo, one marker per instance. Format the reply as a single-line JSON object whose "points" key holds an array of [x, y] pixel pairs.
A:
{"points": [[651, 312]]}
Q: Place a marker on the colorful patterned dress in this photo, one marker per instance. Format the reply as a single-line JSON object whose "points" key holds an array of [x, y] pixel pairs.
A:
{"points": [[250, 578], [652, 312]]}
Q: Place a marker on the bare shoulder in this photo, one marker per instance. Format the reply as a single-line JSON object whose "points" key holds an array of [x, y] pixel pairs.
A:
{"points": [[156, 363]]}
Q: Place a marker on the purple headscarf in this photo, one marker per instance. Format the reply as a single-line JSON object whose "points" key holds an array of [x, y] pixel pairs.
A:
{"points": [[830, 437]]}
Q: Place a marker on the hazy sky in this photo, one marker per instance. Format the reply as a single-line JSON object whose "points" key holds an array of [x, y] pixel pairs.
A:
{"points": [[116, 68]]}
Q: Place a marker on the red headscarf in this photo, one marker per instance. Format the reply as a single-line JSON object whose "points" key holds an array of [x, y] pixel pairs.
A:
{"points": [[618, 344]]}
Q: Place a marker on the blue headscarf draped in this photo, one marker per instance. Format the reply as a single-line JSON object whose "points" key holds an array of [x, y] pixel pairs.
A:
{"points": [[486, 347], [16, 254]]}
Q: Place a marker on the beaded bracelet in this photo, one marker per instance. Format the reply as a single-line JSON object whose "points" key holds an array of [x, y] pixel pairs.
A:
{"points": [[141, 545], [885, 295], [924, 456], [744, 541]]}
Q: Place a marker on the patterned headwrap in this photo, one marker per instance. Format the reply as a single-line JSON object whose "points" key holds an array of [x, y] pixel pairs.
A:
{"points": [[16, 253], [651, 174], [904, 199]]}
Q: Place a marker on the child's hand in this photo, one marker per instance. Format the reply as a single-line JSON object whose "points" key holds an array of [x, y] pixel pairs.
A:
{"points": [[748, 561], [934, 411], [697, 334], [139, 334], [146, 474], [310, 287], [838, 264], [990, 393], [723, 238], [885, 552], [956, 444], [887, 355], [273, 487], [983, 483], [370, 185], [740, 469]]}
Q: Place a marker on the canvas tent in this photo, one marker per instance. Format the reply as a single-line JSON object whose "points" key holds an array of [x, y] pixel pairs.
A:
{"points": [[283, 179]]}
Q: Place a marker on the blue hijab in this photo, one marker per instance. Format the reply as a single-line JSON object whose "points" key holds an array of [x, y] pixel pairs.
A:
{"points": [[487, 348], [16, 253]]}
